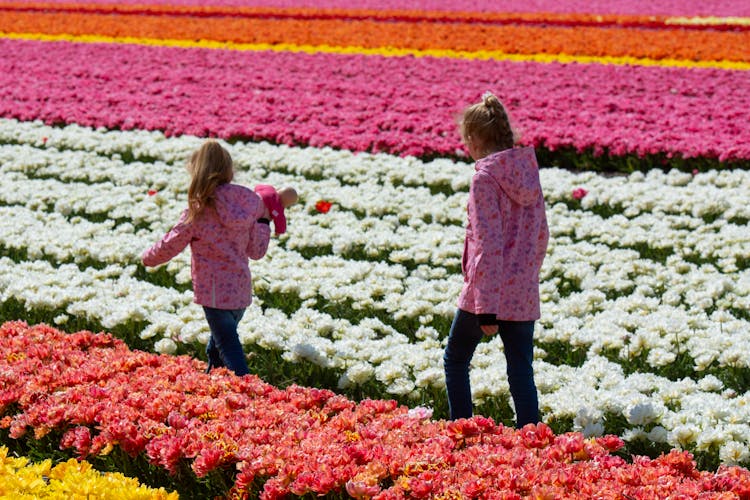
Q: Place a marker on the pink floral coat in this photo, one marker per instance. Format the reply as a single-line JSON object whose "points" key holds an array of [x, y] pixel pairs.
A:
{"points": [[506, 237], [221, 241]]}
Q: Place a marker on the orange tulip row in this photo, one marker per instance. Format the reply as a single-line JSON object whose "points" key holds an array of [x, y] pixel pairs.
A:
{"points": [[412, 15], [671, 43], [255, 440]]}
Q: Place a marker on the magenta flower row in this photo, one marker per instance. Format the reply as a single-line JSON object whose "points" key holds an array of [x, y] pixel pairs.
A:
{"points": [[99, 394], [631, 7], [370, 103]]}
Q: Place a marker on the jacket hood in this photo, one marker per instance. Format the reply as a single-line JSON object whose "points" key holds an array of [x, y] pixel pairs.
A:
{"points": [[236, 205], [516, 171]]}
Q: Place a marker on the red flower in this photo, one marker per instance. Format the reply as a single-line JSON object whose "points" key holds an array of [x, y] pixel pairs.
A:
{"points": [[323, 206], [152, 192], [610, 442], [579, 193]]}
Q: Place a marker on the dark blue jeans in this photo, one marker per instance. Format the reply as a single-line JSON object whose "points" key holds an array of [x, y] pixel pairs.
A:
{"points": [[224, 348], [518, 341]]}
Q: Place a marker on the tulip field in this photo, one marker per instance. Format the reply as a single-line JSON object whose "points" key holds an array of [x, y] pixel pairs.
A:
{"points": [[638, 112]]}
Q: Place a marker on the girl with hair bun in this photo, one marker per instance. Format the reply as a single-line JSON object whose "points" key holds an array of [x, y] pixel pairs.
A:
{"points": [[505, 244]]}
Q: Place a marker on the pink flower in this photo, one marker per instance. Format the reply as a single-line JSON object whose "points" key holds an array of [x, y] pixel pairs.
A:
{"points": [[361, 490], [209, 459], [579, 193], [571, 443]]}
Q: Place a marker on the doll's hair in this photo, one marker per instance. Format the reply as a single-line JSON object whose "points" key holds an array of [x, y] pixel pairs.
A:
{"points": [[209, 167], [488, 125]]}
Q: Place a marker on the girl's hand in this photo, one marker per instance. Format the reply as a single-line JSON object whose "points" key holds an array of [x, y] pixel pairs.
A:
{"points": [[488, 330]]}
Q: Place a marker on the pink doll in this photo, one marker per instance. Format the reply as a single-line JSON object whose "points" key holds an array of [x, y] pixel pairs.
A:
{"points": [[276, 202]]}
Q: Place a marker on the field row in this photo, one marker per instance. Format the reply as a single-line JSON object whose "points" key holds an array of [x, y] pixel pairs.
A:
{"points": [[714, 8], [671, 42], [638, 292], [217, 433], [625, 117]]}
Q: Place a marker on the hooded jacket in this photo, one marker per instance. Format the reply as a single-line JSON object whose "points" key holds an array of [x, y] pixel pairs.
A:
{"points": [[221, 240], [506, 237]]}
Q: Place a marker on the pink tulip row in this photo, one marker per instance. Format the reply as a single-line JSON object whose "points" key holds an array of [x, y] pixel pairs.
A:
{"points": [[634, 7], [301, 441], [372, 103]]}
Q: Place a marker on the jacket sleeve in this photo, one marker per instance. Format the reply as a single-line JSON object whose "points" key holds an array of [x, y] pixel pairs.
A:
{"points": [[486, 268], [543, 240], [260, 235], [170, 245]]}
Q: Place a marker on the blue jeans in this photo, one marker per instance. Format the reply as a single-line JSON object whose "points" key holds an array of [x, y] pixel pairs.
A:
{"points": [[224, 348], [517, 338]]}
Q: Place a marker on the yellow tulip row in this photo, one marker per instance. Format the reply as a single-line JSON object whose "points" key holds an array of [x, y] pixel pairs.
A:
{"points": [[386, 51], [22, 479]]}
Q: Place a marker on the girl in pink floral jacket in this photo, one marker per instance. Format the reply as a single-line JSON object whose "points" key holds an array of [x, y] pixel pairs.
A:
{"points": [[506, 241], [224, 224]]}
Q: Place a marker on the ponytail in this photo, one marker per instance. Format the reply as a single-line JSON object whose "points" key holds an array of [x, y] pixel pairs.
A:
{"points": [[488, 124]]}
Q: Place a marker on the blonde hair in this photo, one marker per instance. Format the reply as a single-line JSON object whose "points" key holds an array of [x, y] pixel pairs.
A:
{"points": [[487, 125], [209, 167]]}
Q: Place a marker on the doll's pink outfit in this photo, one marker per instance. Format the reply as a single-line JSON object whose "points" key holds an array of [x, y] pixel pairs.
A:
{"points": [[271, 199], [506, 237], [221, 240]]}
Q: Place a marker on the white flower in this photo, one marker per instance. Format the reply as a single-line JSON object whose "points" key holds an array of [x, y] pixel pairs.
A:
{"points": [[593, 430], [587, 418], [61, 319], [684, 435], [165, 346], [641, 414], [710, 383], [658, 434], [357, 374], [635, 434], [734, 453]]}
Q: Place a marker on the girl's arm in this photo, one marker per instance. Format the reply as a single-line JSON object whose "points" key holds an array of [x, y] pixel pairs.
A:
{"points": [[260, 235], [170, 245], [484, 211]]}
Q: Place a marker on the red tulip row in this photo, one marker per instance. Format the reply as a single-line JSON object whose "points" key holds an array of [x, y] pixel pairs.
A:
{"points": [[439, 14], [722, 8], [99, 394]]}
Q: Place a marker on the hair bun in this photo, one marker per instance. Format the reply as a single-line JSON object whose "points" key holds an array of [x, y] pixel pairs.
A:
{"points": [[492, 103]]}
